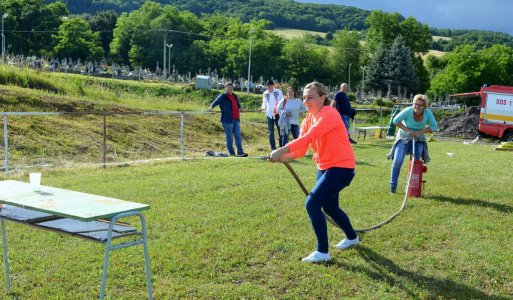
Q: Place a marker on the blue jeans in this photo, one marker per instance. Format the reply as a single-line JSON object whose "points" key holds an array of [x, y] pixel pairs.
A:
{"points": [[230, 130], [347, 122], [270, 127], [324, 197], [400, 152], [294, 129]]}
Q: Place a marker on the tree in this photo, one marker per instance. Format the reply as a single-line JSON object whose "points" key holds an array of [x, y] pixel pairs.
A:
{"points": [[346, 51], [228, 49], [139, 36], [422, 73], [377, 70], [468, 69], [33, 21], [76, 40], [498, 62], [399, 67], [383, 29], [302, 61], [435, 65], [267, 57], [104, 22], [416, 36]]}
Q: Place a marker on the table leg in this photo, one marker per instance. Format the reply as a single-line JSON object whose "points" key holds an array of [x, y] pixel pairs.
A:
{"points": [[106, 260], [147, 258], [109, 247], [6, 258]]}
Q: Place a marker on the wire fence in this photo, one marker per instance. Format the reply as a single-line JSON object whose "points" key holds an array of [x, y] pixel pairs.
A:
{"points": [[50, 139], [34, 140]]}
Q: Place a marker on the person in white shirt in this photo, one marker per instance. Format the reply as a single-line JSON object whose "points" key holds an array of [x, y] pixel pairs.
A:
{"points": [[270, 100], [292, 107]]}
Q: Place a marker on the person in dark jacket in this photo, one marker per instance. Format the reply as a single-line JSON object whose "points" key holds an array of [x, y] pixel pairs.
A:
{"points": [[230, 118], [342, 104]]}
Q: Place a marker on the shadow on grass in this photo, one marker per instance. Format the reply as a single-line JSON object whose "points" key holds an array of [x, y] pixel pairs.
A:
{"points": [[475, 202], [383, 269], [363, 163]]}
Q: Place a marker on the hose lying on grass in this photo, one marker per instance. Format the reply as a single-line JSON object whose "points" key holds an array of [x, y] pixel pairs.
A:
{"points": [[367, 229]]}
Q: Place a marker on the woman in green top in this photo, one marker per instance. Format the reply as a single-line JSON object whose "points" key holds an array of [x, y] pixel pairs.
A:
{"points": [[412, 122]]}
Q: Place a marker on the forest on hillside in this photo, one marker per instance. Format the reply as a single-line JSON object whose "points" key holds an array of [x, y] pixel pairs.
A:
{"points": [[291, 14], [280, 13]]}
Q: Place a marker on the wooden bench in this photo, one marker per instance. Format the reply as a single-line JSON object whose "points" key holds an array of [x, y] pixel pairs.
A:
{"points": [[82, 215]]}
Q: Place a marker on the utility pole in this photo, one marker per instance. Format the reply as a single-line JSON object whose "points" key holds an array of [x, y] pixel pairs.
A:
{"points": [[349, 81], [169, 58], [5, 15], [164, 64], [363, 77], [249, 63]]}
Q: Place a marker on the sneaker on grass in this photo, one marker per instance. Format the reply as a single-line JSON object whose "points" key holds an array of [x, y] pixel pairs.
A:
{"points": [[346, 243], [317, 257]]}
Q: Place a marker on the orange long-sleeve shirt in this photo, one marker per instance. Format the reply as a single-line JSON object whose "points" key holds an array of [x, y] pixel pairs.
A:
{"points": [[328, 137]]}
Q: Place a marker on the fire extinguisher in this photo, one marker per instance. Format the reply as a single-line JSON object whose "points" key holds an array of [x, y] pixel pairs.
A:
{"points": [[415, 170]]}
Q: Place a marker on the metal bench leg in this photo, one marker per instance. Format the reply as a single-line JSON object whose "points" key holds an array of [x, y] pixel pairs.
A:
{"points": [[6, 258]]}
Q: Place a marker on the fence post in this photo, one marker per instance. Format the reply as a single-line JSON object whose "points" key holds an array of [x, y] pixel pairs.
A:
{"points": [[380, 116], [104, 146], [181, 135], [6, 146]]}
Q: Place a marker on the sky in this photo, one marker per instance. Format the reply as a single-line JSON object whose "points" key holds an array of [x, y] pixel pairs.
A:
{"points": [[494, 15]]}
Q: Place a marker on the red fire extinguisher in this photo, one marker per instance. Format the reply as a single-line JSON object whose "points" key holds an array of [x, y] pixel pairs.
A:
{"points": [[415, 170], [415, 184]]}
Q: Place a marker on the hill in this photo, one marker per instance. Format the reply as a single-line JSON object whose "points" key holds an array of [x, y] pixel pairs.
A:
{"points": [[143, 119], [295, 15], [282, 13]]}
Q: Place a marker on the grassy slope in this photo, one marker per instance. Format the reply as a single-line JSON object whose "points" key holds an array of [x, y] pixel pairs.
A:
{"points": [[293, 33], [64, 140], [52, 139], [227, 228]]}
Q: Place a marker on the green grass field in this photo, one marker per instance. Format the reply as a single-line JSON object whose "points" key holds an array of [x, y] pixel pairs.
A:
{"points": [[236, 229], [289, 33]]}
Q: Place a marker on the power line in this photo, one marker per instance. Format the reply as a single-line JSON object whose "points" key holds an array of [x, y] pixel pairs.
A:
{"points": [[111, 31]]}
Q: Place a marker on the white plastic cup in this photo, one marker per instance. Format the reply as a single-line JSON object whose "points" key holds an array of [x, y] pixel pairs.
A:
{"points": [[35, 180]]}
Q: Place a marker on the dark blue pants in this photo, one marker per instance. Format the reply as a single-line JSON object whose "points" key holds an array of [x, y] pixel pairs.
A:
{"points": [[294, 129], [271, 123], [324, 197]]}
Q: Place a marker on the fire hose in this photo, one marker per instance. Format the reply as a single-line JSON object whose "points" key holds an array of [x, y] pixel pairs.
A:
{"points": [[367, 229]]}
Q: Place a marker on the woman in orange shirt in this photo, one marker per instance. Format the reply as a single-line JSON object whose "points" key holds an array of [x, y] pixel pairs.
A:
{"points": [[324, 130]]}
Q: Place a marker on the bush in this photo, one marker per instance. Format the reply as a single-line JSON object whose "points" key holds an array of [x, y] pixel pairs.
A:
{"points": [[384, 103]]}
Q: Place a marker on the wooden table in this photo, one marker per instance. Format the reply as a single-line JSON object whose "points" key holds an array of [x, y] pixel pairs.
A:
{"points": [[74, 213]]}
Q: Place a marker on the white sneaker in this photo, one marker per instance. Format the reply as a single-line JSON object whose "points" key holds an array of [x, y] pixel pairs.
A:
{"points": [[346, 243], [316, 257]]}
